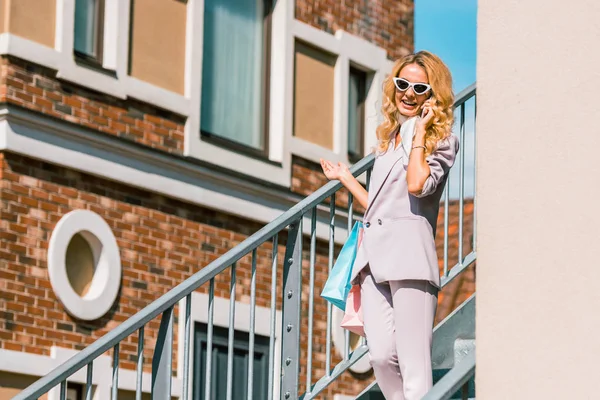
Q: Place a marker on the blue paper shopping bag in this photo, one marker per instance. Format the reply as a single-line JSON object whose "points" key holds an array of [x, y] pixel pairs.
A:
{"points": [[338, 285]]}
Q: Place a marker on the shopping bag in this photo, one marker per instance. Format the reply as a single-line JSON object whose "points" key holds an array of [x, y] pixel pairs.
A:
{"points": [[338, 284], [353, 319]]}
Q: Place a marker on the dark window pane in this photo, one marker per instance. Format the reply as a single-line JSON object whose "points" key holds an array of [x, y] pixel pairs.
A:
{"points": [[88, 31], [219, 364], [356, 113], [233, 71]]}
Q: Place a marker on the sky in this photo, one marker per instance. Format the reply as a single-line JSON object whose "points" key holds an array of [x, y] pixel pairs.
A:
{"points": [[448, 28]]}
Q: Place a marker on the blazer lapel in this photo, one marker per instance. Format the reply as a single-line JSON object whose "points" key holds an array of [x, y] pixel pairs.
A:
{"points": [[382, 173]]}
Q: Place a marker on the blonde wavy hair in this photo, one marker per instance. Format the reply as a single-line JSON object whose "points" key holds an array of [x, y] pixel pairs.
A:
{"points": [[440, 80]]}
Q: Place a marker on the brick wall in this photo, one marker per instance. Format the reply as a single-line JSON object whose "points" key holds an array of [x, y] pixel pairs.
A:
{"points": [[162, 242], [389, 24], [36, 88]]}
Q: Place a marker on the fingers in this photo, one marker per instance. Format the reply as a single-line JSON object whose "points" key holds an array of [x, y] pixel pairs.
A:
{"points": [[326, 165]]}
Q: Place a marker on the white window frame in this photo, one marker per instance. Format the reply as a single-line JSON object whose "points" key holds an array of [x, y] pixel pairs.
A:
{"points": [[285, 30], [280, 111], [115, 57], [199, 313], [106, 280], [349, 50]]}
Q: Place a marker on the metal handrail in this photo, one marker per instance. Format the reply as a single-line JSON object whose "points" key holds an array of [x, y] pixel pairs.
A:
{"points": [[179, 292], [164, 305]]}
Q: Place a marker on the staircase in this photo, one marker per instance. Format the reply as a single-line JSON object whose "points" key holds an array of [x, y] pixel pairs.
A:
{"points": [[454, 338], [453, 343]]}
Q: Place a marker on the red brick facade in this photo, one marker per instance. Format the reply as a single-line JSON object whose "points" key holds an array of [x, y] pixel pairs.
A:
{"points": [[389, 24]]}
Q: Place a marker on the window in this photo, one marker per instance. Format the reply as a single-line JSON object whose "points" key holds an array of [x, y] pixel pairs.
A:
{"points": [[84, 265], [89, 21], [313, 95], [74, 391], [356, 113], [235, 72], [240, 364]]}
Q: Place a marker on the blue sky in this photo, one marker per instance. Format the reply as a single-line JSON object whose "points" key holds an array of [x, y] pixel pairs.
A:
{"points": [[448, 28]]}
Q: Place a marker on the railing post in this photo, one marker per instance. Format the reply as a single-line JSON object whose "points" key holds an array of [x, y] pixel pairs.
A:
{"points": [[162, 360], [292, 285]]}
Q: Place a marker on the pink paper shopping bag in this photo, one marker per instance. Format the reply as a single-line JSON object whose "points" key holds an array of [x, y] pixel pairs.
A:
{"points": [[353, 320]]}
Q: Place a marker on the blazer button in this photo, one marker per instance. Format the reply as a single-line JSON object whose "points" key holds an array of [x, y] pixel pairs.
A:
{"points": [[368, 224], [379, 222]]}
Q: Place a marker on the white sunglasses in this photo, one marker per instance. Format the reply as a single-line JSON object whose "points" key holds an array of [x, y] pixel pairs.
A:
{"points": [[403, 85]]}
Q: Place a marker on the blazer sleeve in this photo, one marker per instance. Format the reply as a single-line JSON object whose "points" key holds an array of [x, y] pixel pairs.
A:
{"points": [[440, 162]]}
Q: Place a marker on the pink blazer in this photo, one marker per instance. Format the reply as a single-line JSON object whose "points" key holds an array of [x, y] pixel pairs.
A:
{"points": [[399, 229]]}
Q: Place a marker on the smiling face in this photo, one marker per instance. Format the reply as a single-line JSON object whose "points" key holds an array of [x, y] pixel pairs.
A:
{"points": [[408, 102]]}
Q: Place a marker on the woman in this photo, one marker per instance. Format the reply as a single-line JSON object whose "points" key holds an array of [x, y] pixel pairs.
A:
{"points": [[396, 264]]}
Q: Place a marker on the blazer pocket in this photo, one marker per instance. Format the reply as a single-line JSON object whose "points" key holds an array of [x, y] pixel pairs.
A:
{"points": [[405, 218], [411, 237]]}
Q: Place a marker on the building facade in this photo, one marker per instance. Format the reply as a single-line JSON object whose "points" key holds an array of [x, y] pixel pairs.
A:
{"points": [[142, 139]]}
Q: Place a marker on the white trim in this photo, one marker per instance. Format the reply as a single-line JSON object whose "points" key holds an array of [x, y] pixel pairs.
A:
{"points": [[49, 141], [110, 50], [28, 50], [199, 313], [107, 274], [22, 363], [193, 74], [316, 37], [361, 51], [313, 152], [281, 85], [153, 94], [373, 115], [340, 110]]}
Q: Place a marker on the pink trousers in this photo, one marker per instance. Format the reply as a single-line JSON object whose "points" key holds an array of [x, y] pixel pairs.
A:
{"points": [[398, 318]]}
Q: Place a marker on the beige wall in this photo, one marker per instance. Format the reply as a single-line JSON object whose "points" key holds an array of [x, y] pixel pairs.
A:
{"points": [[158, 42], [37, 26], [13, 384], [3, 15], [313, 95], [538, 302]]}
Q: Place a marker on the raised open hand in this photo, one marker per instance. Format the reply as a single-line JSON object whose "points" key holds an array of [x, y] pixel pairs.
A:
{"points": [[334, 171]]}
